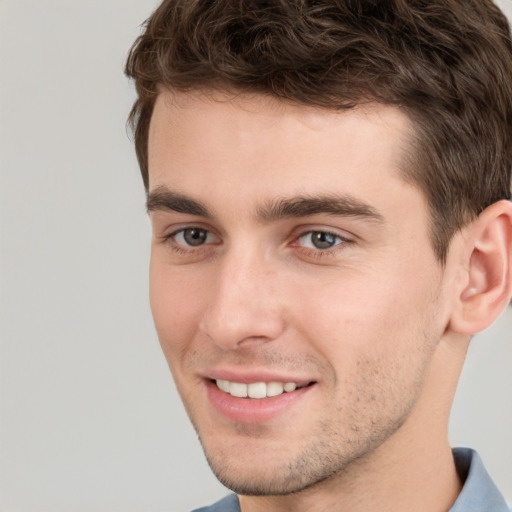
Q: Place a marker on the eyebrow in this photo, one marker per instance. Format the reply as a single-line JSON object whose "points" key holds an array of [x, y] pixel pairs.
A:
{"points": [[339, 206], [163, 198]]}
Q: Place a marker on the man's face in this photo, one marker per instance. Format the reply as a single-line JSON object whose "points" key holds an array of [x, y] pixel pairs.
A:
{"points": [[291, 261]]}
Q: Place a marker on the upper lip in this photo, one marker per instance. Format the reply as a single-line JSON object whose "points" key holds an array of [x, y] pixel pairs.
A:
{"points": [[249, 377]]}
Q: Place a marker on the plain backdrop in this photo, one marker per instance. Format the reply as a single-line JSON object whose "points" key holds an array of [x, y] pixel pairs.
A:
{"points": [[89, 418]]}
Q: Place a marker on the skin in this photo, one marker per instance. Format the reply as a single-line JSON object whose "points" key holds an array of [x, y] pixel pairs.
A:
{"points": [[367, 321]]}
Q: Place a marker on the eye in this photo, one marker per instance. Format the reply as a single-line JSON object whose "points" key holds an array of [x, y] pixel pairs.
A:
{"points": [[194, 237], [320, 240]]}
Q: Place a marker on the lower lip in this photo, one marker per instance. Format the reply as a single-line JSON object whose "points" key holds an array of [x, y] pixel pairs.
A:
{"points": [[251, 410]]}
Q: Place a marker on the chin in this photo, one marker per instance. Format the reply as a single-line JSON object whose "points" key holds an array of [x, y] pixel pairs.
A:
{"points": [[265, 482], [271, 472]]}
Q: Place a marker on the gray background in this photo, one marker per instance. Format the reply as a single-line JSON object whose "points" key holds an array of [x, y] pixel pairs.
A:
{"points": [[89, 418]]}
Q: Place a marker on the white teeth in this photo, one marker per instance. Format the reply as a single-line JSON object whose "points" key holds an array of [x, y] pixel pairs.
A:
{"points": [[290, 386], [256, 389], [237, 389], [224, 385], [275, 388]]}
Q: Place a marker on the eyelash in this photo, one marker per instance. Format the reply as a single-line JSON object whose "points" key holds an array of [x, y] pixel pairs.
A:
{"points": [[317, 252], [170, 239], [183, 249]]}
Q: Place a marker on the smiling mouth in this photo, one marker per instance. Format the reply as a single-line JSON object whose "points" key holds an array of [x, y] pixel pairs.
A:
{"points": [[258, 390]]}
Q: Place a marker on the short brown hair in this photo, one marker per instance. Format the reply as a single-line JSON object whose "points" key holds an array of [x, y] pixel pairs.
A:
{"points": [[446, 63]]}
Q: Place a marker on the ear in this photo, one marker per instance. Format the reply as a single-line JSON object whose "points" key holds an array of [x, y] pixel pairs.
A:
{"points": [[488, 273]]}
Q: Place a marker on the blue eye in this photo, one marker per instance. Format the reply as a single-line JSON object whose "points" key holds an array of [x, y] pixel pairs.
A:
{"points": [[320, 240], [193, 237]]}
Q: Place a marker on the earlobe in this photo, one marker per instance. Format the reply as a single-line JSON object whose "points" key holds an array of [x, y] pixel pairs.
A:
{"points": [[488, 286]]}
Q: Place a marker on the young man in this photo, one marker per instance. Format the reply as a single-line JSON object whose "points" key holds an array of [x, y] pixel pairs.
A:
{"points": [[329, 189]]}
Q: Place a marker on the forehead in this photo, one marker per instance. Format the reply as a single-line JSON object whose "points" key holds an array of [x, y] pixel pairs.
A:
{"points": [[202, 112], [255, 147]]}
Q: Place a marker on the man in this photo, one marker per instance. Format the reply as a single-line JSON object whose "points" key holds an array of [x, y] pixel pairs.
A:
{"points": [[329, 188]]}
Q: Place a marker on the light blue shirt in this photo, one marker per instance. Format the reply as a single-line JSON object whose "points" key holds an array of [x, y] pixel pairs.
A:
{"points": [[479, 494]]}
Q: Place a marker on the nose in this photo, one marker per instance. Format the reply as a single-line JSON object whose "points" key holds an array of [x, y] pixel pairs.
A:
{"points": [[244, 307]]}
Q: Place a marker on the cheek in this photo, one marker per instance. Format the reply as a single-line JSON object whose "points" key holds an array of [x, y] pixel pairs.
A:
{"points": [[379, 344], [176, 305], [368, 316]]}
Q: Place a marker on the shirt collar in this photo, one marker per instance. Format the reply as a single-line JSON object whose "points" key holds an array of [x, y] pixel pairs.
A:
{"points": [[479, 493]]}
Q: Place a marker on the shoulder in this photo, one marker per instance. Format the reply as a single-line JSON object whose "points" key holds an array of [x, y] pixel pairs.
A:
{"points": [[227, 504]]}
